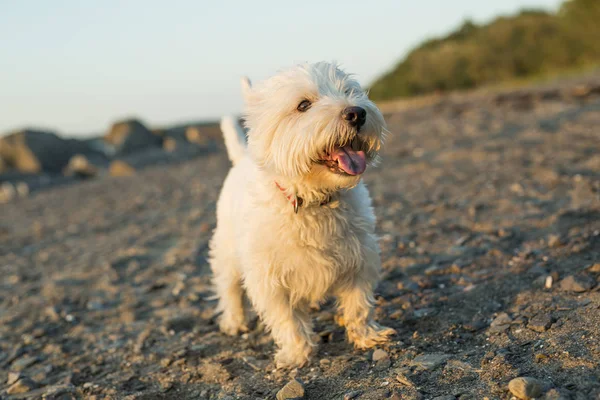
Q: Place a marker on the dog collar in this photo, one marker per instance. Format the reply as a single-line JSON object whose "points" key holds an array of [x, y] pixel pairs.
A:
{"points": [[296, 201]]}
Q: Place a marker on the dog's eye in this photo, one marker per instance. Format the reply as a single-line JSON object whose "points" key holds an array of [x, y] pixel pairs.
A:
{"points": [[303, 106]]}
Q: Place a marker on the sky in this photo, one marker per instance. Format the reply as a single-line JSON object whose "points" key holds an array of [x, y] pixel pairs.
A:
{"points": [[76, 66]]}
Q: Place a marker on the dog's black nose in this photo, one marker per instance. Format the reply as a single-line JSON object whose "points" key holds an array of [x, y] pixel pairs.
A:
{"points": [[356, 116]]}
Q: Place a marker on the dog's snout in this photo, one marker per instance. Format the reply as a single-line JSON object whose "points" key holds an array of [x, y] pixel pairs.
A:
{"points": [[356, 116]]}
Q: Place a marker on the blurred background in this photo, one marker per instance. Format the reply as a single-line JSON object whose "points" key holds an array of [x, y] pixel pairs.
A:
{"points": [[75, 67], [99, 71]]}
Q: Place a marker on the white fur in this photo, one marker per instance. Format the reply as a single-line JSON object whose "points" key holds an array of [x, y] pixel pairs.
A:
{"points": [[287, 261], [235, 139]]}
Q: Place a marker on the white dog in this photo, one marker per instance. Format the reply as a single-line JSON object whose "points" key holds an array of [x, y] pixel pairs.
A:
{"points": [[294, 221]]}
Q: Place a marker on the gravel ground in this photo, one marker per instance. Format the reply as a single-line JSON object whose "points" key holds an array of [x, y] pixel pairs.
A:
{"points": [[489, 216]]}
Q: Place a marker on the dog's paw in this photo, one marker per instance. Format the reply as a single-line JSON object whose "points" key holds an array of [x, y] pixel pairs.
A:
{"points": [[232, 326], [367, 336], [288, 358]]}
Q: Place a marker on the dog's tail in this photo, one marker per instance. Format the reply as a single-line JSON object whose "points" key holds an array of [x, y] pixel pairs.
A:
{"points": [[235, 138]]}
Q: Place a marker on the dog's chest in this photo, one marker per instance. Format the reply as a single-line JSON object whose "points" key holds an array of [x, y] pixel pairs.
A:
{"points": [[321, 249]]}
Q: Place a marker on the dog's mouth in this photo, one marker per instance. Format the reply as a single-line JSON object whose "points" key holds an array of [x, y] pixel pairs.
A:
{"points": [[346, 158]]}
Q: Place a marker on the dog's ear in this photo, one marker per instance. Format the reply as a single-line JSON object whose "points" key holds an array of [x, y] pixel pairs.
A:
{"points": [[246, 88]]}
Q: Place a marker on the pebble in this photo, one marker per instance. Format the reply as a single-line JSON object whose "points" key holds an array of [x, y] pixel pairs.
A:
{"points": [[554, 241], [379, 355], [554, 394], [62, 392], [540, 323], [576, 283], [23, 385], [500, 323], [13, 377], [404, 380], [24, 362], [429, 361], [525, 388], [352, 395], [594, 268], [475, 325], [294, 389]]}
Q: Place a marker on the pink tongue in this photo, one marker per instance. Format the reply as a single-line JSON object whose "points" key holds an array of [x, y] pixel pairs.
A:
{"points": [[350, 161]]}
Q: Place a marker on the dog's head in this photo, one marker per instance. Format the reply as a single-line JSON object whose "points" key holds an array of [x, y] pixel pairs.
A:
{"points": [[313, 124]]}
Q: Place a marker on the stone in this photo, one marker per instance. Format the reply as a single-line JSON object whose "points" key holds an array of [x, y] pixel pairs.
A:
{"points": [[23, 385], [13, 377], [404, 380], [170, 144], [475, 325], [24, 362], [554, 241], [81, 167], [194, 135], [120, 168], [576, 283], [525, 388], [555, 394], [594, 268], [429, 361], [294, 389], [352, 395], [131, 136], [33, 151], [500, 324], [540, 322], [379, 355], [60, 392], [7, 192]]}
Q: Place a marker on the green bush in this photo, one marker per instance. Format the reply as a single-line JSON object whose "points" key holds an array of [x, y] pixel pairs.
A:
{"points": [[531, 43]]}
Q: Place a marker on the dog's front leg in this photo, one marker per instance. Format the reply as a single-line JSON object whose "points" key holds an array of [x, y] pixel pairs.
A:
{"points": [[356, 305], [290, 324]]}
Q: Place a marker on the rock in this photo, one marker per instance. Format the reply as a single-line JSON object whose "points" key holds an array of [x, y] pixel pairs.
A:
{"points": [[525, 388], [60, 392], [577, 283], [292, 390], [24, 362], [325, 363], [22, 189], [23, 385], [554, 241], [555, 394], [13, 377], [404, 380], [33, 151], [169, 144], [81, 167], [594, 268], [500, 323], [7, 192], [446, 397], [352, 395], [475, 325], [381, 359], [540, 322], [131, 136], [429, 361], [193, 134], [379, 355], [120, 168]]}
